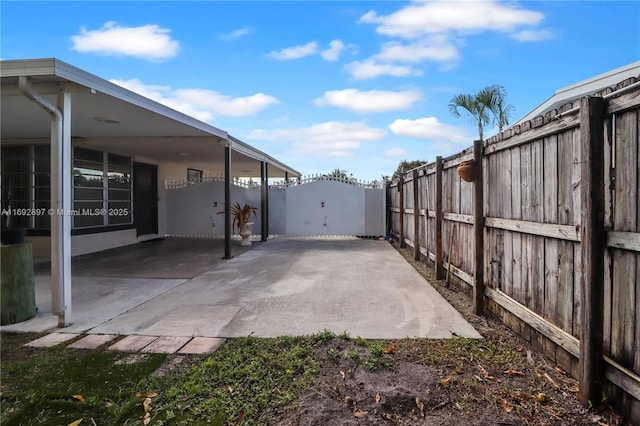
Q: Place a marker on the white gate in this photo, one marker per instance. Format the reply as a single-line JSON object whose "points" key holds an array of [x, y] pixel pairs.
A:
{"points": [[327, 206]]}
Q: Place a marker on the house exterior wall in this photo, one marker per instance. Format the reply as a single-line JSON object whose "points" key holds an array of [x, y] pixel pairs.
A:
{"points": [[177, 171]]}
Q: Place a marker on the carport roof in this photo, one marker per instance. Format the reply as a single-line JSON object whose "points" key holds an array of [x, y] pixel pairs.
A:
{"points": [[110, 117]]}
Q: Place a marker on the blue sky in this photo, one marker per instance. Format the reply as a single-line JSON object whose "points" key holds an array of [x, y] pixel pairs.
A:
{"points": [[354, 85]]}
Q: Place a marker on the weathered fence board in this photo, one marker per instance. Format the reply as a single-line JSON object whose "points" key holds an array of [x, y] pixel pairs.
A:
{"points": [[531, 226]]}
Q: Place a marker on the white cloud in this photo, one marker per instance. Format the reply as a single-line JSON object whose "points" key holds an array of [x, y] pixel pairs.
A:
{"points": [[436, 31], [443, 16], [532, 35], [443, 135], [225, 104], [295, 52], [363, 70], [436, 48], [371, 101], [148, 41], [395, 152], [202, 104], [330, 139], [240, 32], [333, 52]]}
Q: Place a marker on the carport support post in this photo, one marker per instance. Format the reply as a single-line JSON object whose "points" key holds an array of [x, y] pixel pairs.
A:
{"points": [[478, 231], [592, 249], [227, 201], [416, 218], [60, 211], [61, 238], [439, 258], [264, 199]]}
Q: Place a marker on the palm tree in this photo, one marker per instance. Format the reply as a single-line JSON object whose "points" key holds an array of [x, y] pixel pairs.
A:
{"points": [[339, 174], [488, 102], [502, 114]]}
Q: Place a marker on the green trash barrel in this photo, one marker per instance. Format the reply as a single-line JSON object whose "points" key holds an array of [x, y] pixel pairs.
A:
{"points": [[17, 290]]}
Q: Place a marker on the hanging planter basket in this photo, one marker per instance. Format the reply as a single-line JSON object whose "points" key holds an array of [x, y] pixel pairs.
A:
{"points": [[467, 170]]}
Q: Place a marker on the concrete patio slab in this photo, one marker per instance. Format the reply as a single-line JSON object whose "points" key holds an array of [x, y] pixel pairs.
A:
{"points": [[96, 300], [201, 345], [51, 340], [286, 286], [92, 341], [166, 345], [132, 343]]}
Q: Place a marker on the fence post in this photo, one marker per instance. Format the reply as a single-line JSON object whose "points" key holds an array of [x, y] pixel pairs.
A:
{"points": [[438, 191], [401, 189], [592, 248], [416, 218], [264, 200], [478, 230], [388, 205]]}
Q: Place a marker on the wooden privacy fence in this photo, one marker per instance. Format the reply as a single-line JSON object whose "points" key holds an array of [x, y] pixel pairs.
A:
{"points": [[547, 238]]}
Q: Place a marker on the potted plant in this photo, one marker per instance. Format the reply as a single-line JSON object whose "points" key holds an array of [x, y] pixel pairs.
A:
{"points": [[242, 220], [467, 170]]}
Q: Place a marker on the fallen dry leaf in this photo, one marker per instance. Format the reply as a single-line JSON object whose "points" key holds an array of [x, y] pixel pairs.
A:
{"points": [[147, 405], [76, 423], [240, 418], [478, 378], [508, 407], [522, 395], [458, 371], [378, 398], [78, 398], [446, 381], [391, 349], [230, 390], [561, 371], [420, 406], [514, 372], [147, 394], [360, 414], [492, 378], [550, 380], [344, 376], [484, 370], [574, 389]]}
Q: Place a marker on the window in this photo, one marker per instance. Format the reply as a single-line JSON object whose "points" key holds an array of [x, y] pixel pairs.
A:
{"points": [[26, 181], [194, 176], [101, 189]]}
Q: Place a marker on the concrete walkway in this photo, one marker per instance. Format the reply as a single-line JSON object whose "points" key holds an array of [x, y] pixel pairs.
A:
{"points": [[285, 286]]}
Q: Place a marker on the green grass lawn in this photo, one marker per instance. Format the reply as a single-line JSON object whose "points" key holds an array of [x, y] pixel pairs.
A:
{"points": [[57, 386], [248, 379]]}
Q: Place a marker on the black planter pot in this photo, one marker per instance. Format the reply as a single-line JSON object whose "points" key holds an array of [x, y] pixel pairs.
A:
{"points": [[13, 236]]}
